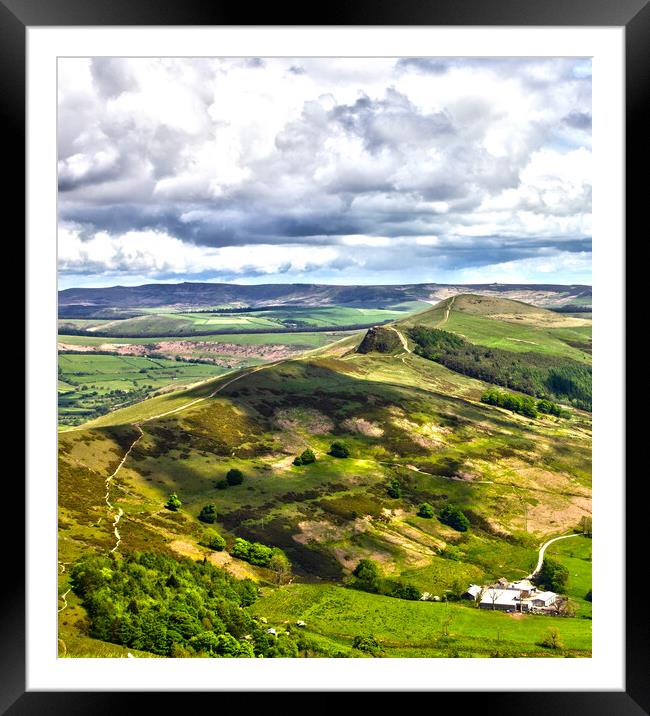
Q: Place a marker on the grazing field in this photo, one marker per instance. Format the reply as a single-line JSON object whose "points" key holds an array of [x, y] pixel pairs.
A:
{"points": [[414, 433], [417, 629], [161, 323], [90, 385], [575, 555]]}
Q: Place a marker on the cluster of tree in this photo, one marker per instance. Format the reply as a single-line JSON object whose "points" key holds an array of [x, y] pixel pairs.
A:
{"points": [[553, 575], [339, 449], [548, 407], [453, 517], [174, 607], [522, 404], [234, 477], [305, 458], [369, 578], [254, 552], [537, 374]]}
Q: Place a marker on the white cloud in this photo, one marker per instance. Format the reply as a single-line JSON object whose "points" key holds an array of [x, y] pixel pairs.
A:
{"points": [[187, 166]]}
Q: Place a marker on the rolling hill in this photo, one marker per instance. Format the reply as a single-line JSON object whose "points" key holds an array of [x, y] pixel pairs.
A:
{"points": [[416, 431], [130, 300]]}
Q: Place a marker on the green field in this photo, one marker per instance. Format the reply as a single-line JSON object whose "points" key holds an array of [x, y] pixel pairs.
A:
{"points": [[575, 555], [161, 323], [92, 384], [403, 418], [417, 629]]}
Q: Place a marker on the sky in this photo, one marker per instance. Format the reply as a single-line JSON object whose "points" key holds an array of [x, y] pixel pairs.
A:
{"points": [[339, 171]]}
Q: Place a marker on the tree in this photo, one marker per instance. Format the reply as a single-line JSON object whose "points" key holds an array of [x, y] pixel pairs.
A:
{"points": [[493, 595], [453, 517], [394, 488], [553, 575], [234, 477], [241, 549], [368, 576], [456, 591], [305, 458], [173, 503], [339, 449], [552, 639], [208, 514], [280, 565], [426, 510], [213, 540]]}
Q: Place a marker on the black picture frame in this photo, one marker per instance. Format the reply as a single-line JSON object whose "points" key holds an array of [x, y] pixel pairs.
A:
{"points": [[634, 15]]}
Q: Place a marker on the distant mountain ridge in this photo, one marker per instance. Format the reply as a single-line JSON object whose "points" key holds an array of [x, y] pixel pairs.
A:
{"points": [[196, 295]]}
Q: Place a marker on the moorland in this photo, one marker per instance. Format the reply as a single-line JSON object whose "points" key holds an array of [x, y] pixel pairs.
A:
{"points": [[286, 485]]}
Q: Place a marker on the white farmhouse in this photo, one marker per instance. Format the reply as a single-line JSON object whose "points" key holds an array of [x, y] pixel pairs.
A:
{"points": [[521, 596]]}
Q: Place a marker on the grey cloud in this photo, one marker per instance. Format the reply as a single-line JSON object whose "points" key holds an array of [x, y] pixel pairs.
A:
{"points": [[306, 191], [111, 76], [578, 120]]}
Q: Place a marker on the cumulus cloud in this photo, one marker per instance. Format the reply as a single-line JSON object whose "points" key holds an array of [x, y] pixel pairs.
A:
{"points": [[352, 168]]}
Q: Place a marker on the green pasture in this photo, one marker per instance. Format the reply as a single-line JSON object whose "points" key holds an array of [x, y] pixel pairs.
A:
{"points": [[406, 628]]}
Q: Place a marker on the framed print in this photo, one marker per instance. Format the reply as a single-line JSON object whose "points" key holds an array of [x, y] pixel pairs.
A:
{"points": [[325, 352]]}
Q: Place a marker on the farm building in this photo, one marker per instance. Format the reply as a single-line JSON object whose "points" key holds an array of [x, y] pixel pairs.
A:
{"points": [[522, 596]]}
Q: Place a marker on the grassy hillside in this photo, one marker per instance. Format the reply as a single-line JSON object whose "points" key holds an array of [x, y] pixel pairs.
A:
{"points": [[510, 325], [407, 422]]}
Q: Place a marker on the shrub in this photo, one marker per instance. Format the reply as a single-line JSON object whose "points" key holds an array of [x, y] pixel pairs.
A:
{"points": [[426, 510], [551, 639], [394, 488], [213, 540], [367, 644], [305, 458], [403, 591], [339, 449], [453, 517], [173, 503], [234, 477], [208, 514], [221, 484]]}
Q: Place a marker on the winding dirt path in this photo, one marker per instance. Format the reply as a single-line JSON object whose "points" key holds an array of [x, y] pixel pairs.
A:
{"points": [[65, 601], [542, 549], [447, 311], [218, 389], [118, 515]]}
